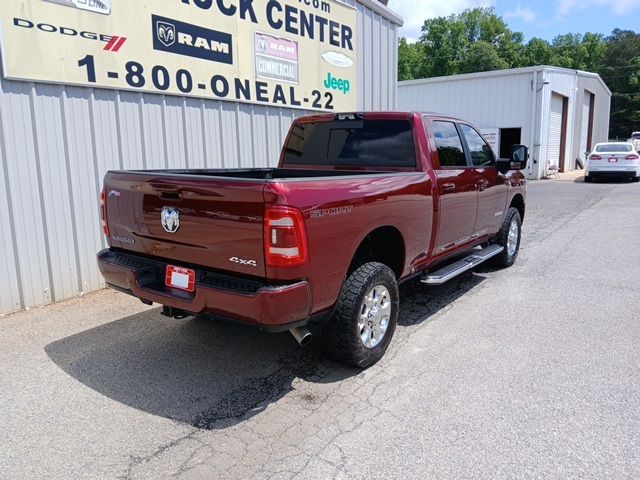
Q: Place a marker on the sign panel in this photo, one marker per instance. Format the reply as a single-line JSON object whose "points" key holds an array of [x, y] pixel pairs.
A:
{"points": [[492, 137], [289, 53]]}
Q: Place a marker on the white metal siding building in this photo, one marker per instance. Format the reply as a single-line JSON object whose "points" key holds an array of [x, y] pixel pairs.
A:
{"points": [[559, 113], [57, 142]]}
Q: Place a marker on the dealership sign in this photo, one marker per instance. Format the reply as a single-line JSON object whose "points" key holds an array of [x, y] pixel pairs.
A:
{"points": [[290, 53], [492, 137]]}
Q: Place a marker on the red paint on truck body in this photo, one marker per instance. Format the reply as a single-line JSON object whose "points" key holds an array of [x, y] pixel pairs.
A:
{"points": [[438, 213]]}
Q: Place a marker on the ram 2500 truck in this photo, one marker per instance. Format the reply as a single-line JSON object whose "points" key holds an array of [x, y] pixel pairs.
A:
{"points": [[357, 204]]}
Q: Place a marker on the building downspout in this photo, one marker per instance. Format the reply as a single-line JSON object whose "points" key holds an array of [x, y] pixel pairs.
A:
{"points": [[537, 125]]}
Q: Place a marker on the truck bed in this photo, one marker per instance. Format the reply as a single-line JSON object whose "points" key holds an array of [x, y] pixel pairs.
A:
{"points": [[260, 173]]}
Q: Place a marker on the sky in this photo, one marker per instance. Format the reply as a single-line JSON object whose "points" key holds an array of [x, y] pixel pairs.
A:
{"points": [[544, 18]]}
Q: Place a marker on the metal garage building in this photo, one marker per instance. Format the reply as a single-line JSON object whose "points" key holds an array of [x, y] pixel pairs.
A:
{"points": [[57, 139], [559, 113]]}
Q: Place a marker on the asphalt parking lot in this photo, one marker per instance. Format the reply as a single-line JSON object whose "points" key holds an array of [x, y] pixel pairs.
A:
{"points": [[530, 372]]}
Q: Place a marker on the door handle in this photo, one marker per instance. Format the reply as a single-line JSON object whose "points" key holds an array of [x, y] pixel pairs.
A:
{"points": [[448, 187], [171, 195], [168, 192]]}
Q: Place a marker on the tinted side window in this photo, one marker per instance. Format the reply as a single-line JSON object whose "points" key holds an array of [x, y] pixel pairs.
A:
{"points": [[449, 145], [481, 154], [374, 143]]}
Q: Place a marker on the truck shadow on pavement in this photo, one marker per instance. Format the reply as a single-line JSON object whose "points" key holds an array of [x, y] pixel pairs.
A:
{"points": [[209, 374]]}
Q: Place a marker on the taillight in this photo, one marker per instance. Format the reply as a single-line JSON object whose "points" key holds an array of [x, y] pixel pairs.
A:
{"points": [[103, 213], [595, 157], [285, 237], [633, 156]]}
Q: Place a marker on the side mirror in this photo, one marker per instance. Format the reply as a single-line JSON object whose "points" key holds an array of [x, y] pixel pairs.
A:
{"points": [[518, 161]]}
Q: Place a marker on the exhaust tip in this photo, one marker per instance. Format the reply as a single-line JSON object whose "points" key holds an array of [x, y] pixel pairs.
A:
{"points": [[302, 335]]}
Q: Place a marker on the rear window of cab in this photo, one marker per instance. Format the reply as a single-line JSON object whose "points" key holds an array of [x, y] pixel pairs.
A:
{"points": [[345, 143]]}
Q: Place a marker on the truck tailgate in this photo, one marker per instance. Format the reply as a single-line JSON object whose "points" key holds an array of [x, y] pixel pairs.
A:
{"points": [[220, 219]]}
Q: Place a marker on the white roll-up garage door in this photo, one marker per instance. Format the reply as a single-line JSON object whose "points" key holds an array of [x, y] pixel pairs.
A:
{"points": [[555, 130], [584, 133]]}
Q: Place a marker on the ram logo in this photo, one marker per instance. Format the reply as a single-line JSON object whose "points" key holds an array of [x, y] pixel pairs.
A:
{"points": [[166, 33], [170, 219], [182, 38], [263, 44]]}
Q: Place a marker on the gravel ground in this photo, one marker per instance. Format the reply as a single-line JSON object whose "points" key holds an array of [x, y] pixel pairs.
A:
{"points": [[531, 372]]}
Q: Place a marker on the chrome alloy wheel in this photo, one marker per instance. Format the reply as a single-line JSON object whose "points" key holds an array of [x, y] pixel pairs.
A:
{"points": [[512, 238], [375, 313]]}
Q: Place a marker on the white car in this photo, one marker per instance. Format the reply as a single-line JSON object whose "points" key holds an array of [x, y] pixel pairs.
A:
{"points": [[613, 159]]}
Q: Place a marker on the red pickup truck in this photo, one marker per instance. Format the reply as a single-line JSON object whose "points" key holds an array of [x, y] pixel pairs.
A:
{"points": [[358, 204]]}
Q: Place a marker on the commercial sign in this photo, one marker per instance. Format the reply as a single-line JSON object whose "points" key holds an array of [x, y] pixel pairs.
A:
{"points": [[290, 53], [492, 137]]}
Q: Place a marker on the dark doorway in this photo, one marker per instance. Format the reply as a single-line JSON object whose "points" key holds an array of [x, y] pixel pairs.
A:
{"points": [[508, 138], [563, 141], [592, 108]]}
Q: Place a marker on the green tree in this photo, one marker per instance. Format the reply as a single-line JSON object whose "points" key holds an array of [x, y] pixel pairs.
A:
{"points": [[456, 44], [483, 57], [410, 60], [621, 72], [577, 51], [595, 50], [538, 52], [444, 41]]}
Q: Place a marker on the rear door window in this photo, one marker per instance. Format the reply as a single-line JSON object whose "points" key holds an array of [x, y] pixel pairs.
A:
{"points": [[362, 143], [481, 154], [449, 145]]}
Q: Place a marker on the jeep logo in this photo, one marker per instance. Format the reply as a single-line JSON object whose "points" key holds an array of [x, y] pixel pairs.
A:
{"points": [[181, 38], [333, 83]]}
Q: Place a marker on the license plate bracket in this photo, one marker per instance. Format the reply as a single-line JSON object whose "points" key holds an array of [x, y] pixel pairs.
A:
{"points": [[613, 160], [180, 278]]}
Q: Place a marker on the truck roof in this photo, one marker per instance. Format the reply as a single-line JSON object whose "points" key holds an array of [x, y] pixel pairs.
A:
{"points": [[372, 115]]}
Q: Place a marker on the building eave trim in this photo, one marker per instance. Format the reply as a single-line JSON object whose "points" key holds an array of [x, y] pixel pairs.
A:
{"points": [[383, 11]]}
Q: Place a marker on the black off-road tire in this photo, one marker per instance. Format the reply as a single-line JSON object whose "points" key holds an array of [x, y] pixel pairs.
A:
{"points": [[341, 338], [506, 259]]}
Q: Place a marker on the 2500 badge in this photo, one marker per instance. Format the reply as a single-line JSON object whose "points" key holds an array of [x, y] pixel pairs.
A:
{"points": [[137, 76]]}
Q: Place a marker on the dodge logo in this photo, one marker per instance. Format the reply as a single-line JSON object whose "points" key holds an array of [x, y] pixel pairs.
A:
{"points": [[166, 33], [170, 219]]}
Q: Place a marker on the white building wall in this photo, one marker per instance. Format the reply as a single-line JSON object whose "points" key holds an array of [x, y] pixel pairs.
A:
{"points": [[511, 99], [57, 142], [601, 111], [500, 101], [565, 84]]}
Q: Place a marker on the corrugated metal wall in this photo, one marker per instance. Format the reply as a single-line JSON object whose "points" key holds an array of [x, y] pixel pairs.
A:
{"points": [[572, 84], [489, 102], [601, 111], [57, 142], [563, 83]]}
